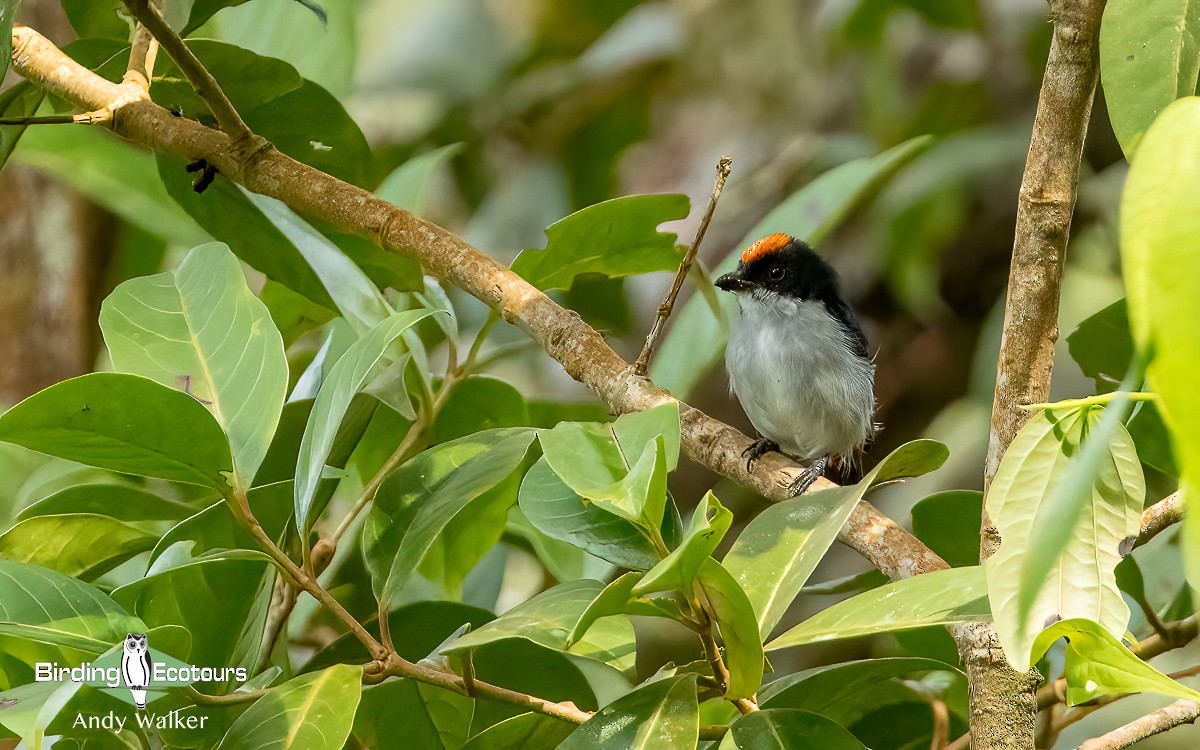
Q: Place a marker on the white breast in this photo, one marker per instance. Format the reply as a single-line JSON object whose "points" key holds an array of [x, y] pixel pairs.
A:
{"points": [[791, 367]]}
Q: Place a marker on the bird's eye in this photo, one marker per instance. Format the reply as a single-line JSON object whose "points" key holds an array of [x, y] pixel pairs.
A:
{"points": [[776, 273]]}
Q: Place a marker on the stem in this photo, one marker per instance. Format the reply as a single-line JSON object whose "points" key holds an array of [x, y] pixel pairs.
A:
{"points": [[1098, 400], [142, 54], [1179, 712], [492, 319], [86, 118], [664, 310], [202, 81]]}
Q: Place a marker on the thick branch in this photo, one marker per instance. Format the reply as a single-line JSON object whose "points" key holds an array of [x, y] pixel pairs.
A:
{"points": [[1179, 712], [1002, 703], [1161, 516], [142, 54], [580, 349]]}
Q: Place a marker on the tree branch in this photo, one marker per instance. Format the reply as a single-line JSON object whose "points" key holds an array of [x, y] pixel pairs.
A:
{"points": [[141, 55], [561, 333], [1179, 712], [148, 15], [1002, 704], [1160, 516]]}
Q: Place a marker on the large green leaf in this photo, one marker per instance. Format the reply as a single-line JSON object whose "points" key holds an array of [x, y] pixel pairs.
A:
{"points": [[1160, 221], [788, 729], [344, 380], [620, 466], [1149, 57], [311, 712], [696, 339], [938, 598], [81, 545], [49, 607], [547, 619], [30, 709], [114, 174], [663, 715], [319, 38], [735, 619], [778, 550], [1059, 562], [615, 238], [522, 732], [678, 569], [406, 715], [125, 423], [948, 523], [839, 691], [558, 512], [564, 561], [452, 498], [220, 598], [21, 100], [200, 329], [1098, 664], [120, 501], [618, 598]]}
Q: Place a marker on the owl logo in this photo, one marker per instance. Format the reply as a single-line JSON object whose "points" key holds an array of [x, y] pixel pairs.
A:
{"points": [[135, 667]]}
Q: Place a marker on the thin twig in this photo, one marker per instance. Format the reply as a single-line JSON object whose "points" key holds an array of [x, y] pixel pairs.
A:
{"points": [[664, 310], [86, 118], [1179, 712], [191, 67], [142, 54], [941, 724]]}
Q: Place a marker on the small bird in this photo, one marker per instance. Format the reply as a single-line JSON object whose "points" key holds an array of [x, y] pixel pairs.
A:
{"points": [[797, 359]]}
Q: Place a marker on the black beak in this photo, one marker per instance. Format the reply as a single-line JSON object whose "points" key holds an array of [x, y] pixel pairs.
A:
{"points": [[732, 282]]}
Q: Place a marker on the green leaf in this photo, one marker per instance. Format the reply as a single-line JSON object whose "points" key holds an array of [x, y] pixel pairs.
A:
{"points": [[615, 238], [200, 329], [124, 423], [838, 691], [409, 183], [114, 174], [547, 619], [1160, 219], [216, 528], [220, 598], [1097, 664], [678, 569], [696, 339], [558, 512], [478, 403], [1149, 57], [81, 545], [618, 598], [120, 501], [311, 712], [522, 732], [21, 100], [194, 13], [948, 523], [345, 379], [619, 466], [788, 729], [1042, 574], [48, 607], [735, 619], [663, 715], [566, 562], [406, 715], [319, 39], [30, 709], [938, 598], [451, 498], [777, 551], [103, 18]]}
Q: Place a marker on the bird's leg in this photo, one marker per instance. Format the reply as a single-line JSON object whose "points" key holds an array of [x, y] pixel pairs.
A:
{"points": [[808, 476], [757, 449]]}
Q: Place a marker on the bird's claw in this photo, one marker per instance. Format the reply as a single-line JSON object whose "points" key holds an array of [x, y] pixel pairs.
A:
{"points": [[757, 449], [808, 477]]}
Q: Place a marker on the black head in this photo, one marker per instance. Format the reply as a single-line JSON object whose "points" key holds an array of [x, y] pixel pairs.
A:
{"points": [[786, 266]]}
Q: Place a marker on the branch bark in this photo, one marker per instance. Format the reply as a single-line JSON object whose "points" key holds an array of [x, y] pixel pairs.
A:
{"points": [[1002, 703], [1169, 717], [561, 333]]}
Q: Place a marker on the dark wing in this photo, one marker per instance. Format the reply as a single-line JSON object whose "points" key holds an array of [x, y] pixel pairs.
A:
{"points": [[849, 320]]}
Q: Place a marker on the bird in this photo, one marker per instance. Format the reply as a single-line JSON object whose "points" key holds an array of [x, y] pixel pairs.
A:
{"points": [[135, 667], [797, 359]]}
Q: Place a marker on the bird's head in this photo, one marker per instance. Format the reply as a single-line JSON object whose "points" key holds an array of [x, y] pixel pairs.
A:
{"points": [[781, 264]]}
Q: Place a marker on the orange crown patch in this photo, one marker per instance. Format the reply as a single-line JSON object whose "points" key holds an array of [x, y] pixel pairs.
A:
{"points": [[768, 244]]}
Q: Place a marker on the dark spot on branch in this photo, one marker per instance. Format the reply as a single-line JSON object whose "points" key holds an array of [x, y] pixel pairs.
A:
{"points": [[1126, 546]]}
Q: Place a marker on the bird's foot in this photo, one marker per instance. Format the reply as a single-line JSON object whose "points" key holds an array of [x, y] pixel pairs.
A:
{"points": [[808, 477], [757, 449]]}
